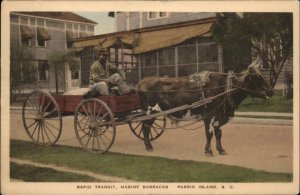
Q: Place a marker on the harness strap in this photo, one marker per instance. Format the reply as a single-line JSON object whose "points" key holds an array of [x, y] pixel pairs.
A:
{"points": [[229, 85]]}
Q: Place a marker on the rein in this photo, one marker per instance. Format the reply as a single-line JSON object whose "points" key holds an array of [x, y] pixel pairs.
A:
{"points": [[247, 90]]}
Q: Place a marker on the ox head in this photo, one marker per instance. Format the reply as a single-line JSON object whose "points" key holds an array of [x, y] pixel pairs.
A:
{"points": [[255, 84]]}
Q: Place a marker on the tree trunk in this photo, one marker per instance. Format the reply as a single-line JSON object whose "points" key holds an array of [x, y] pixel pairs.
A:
{"points": [[274, 72]]}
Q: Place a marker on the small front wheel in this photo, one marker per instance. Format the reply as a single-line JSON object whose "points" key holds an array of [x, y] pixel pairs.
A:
{"points": [[156, 130], [94, 125]]}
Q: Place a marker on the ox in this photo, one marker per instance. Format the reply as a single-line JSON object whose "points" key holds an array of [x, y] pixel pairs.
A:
{"points": [[169, 93]]}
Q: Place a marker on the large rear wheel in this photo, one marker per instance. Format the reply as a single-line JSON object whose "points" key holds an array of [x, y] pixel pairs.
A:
{"points": [[94, 125], [42, 118]]}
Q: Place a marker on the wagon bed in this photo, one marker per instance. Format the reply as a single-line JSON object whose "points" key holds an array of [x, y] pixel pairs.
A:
{"points": [[117, 104]]}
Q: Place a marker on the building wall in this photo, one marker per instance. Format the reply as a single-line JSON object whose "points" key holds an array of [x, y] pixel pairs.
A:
{"points": [[57, 30], [172, 17]]}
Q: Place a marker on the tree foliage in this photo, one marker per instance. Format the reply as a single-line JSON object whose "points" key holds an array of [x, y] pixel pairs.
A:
{"points": [[57, 60], [269, 35], [22, 70]]}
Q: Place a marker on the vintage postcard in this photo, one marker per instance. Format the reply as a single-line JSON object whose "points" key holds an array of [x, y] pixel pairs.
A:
{"points": [[150, 97]]}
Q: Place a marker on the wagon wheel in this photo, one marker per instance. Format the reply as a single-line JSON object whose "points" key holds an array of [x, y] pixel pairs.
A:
{"points": [[156, 129], [42, 118], [94, 125]]}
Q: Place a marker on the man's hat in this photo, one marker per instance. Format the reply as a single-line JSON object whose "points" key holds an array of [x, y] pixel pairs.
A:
{"points": [[103, 51]]}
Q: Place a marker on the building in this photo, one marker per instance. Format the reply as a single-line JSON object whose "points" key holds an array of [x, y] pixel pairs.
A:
{"points": [[33, 36], [169, 44]]}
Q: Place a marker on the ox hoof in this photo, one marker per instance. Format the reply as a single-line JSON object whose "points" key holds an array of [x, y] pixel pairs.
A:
{"points": [[209, 153], [149, 149], [223, 152]]}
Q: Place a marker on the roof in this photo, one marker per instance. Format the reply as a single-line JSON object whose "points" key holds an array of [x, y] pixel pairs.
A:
{"points": [[69, 16]]}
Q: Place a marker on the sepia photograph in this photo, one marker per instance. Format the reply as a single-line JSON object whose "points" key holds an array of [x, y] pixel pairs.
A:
{"points": [[153, 97]]}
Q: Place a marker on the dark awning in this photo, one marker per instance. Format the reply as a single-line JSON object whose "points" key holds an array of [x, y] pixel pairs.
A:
{"points": [[26, 32], [70, 36], [42, 34]]}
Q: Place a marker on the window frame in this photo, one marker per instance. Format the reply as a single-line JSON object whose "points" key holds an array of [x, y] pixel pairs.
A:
{"points": [[157, 15]]}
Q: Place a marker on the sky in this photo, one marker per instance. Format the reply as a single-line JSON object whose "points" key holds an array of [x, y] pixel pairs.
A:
{"points": [[105, 23]]}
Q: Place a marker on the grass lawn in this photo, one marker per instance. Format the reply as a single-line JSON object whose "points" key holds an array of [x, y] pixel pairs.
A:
{"points": [[141, 168], [274, 104], [37, 174]]}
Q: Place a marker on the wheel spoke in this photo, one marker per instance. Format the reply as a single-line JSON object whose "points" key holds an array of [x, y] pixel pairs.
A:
{"points": [[49, 103], [99, 112], [42, 132], [105, 115], [52, 125], [39, 129], [86, 112], [43, 100], [137, 126], [98, 143], [155, 130], [103, 141], [158, 125], [34, 129], [46, 127], [32, 124], [55, 110], [81, 138], [46, 133], [88, 140]]}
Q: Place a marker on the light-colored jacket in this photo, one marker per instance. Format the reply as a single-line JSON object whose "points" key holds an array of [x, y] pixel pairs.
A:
{"points": [[98, 73]]}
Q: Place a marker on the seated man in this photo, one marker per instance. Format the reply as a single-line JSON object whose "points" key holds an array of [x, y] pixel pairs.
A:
{"points": [[103, 73]]}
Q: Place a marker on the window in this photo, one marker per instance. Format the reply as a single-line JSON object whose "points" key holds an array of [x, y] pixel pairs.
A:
{"points": [[43, 70], [166, 60], [162, 14], [26, 42], [42, 37], [28, 71], [26, 35], [166, 56], [149, 64], [187, 55], [157, 15], [152, 14]]}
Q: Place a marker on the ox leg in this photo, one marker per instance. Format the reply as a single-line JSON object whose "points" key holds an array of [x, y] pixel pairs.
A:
{"points": [[218, 122], [146, 131], [218, 135], [209, 135]]}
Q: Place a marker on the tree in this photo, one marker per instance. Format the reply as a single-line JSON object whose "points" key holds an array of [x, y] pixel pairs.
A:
{"points": [[269, 35], [22, 70], [57, 60], [272, 39], [229, 31]]}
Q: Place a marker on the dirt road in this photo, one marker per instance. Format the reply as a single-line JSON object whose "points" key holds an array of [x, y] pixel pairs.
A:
{"points": [[261, 147]]}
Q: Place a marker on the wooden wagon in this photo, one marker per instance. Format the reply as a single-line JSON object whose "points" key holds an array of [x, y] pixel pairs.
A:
{"points": [[95, 119]]}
